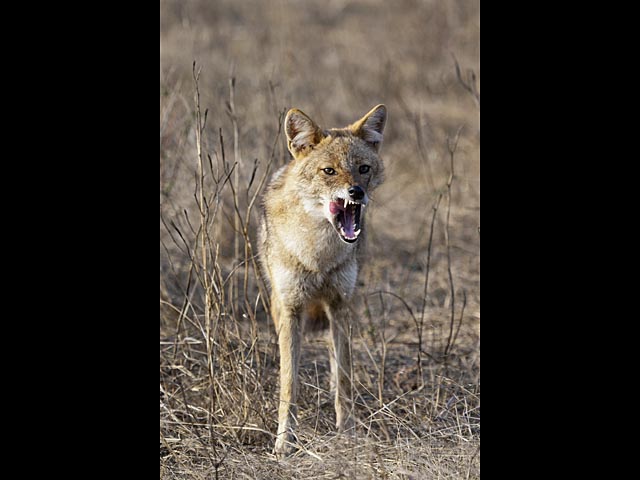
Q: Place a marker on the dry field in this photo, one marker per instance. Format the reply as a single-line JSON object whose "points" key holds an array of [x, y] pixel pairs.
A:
{"points": [[416, 343]]}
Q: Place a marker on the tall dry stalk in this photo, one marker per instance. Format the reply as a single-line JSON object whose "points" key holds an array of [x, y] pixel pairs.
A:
{"points": [[235, 284], [426, 287], [205, 277]]}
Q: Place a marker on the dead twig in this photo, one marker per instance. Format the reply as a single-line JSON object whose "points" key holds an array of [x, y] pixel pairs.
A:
{"points": [[470, 84]]}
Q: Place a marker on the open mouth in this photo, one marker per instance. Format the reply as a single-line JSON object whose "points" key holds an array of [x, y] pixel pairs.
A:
{"points": [[346, 218]]}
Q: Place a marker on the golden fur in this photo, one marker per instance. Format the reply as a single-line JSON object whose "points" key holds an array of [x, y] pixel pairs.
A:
{"points": [[312, 229]]}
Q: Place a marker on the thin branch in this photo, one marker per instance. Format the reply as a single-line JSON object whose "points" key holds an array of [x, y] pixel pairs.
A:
{"points": [[452, 149]]}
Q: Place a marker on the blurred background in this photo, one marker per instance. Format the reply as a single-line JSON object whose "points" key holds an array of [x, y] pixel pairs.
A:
{"points": [[416, 344]]}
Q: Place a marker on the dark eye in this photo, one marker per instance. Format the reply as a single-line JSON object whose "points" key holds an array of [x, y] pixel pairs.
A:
{"points": [[364, 168], [329, 171]]}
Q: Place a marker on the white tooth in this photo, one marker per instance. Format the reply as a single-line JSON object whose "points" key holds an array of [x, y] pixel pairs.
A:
{"points": [[357, 232], [346, 202]]}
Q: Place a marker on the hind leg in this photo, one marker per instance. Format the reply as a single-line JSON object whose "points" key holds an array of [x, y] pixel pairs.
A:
{"points": [[340, 358]]}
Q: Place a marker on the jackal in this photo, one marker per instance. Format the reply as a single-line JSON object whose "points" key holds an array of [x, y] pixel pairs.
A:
{"points": [[312, 228]]}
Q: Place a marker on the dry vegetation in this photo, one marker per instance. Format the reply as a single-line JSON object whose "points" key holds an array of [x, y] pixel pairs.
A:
{"points": [[415, 346]]}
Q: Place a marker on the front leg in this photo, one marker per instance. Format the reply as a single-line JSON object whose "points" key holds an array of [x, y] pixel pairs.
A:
{"points": [[287, 319], [339, 315]]}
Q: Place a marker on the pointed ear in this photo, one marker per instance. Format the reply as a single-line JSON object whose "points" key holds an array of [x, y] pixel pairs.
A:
{"points": [[371, 126], [302, 133]]}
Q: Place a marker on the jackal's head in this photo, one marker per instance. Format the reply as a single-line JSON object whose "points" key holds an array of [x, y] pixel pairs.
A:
{"points": [[337, 169]]}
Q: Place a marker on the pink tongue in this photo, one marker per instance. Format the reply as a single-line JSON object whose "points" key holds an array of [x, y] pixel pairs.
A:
{"points": [[335, 208], [349, 223]]}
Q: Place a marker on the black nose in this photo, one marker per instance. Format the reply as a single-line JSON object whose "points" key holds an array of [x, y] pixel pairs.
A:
{"points": [[356, 193]]}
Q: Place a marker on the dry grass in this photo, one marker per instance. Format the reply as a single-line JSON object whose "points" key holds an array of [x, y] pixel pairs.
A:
{"points": [[415, 346]]}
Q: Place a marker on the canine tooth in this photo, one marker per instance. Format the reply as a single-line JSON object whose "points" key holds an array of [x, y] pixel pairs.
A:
{"points": [[357, 232]]}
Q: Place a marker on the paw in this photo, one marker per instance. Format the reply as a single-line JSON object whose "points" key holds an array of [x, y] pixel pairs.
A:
{"points": [[345, 425], [286, 444]]}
